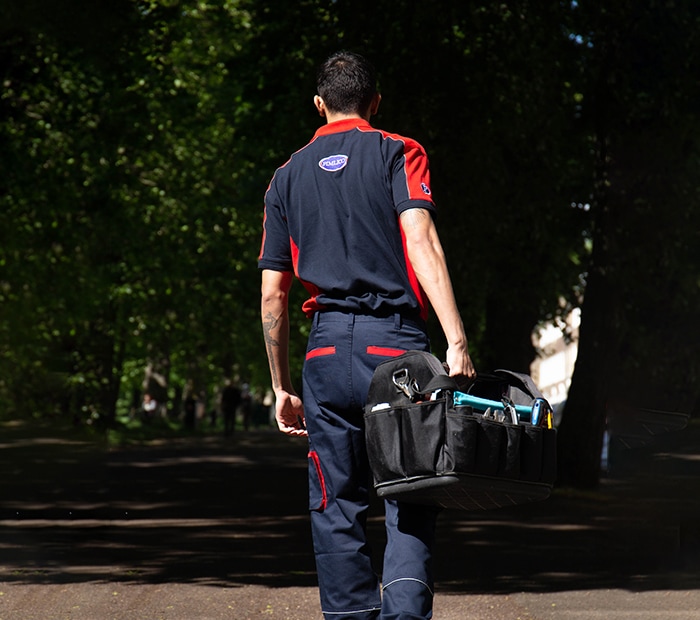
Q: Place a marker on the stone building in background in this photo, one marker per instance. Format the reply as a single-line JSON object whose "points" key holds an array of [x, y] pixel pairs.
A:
{"points": [[557, 347]]}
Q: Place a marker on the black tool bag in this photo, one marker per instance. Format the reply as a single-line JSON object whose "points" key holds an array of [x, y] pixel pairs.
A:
{"points": [[424, 449]]}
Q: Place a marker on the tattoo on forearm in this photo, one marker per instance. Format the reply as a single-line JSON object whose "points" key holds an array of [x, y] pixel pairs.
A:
{"points": [[269, 323]]}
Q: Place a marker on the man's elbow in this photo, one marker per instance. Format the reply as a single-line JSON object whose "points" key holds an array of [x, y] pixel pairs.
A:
{"points": [[424, 252], [272, 296], [418, 245], [274, 293]]}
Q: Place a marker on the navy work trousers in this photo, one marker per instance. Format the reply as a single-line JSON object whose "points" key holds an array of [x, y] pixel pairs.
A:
{"points": [[342, 353]]}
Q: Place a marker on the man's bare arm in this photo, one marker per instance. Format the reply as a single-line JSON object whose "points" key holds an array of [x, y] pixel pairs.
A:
{"points": [[428, 260], [274, 311], [275, 322]]}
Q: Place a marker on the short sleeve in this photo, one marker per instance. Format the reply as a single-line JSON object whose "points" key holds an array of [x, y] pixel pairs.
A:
{"points": [[275, 250], [411, 178]]}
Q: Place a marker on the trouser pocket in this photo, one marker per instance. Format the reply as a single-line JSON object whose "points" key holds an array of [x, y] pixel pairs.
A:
{"points": [[318, 498]]}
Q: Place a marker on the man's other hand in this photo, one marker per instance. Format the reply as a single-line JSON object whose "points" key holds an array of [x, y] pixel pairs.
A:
{"points": [[289, 413]]}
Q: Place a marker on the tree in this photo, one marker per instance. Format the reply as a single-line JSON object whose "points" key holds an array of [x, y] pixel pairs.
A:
{"points": [[129, 234], [136, 215], [642, 297]]}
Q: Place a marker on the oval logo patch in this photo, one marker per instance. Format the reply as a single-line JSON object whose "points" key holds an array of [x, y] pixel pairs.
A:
{"points": [[333, 163]]}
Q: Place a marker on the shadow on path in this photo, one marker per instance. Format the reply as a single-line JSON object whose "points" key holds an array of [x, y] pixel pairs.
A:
{"points": [[207, 511]]}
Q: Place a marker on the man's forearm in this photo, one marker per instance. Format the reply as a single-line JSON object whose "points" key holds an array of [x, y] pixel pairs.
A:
{"points": [[438, 288], [275, 330], [275, 324]]}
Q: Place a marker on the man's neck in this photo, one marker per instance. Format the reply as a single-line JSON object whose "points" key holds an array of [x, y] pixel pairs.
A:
{"points": [[332, 118]]}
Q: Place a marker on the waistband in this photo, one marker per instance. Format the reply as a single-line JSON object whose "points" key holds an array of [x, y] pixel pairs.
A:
{"points": [[396, 319]]}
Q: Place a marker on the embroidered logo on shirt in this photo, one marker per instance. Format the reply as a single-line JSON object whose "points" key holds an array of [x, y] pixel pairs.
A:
{"points": [[333, 163], [425, 188]]}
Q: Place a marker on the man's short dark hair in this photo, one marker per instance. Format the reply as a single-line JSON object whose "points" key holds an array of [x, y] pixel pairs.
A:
{"points": [[347, 82]]}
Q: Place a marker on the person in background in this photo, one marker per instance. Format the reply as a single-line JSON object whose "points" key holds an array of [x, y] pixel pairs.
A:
{"points": [[230, 401], [190, 411]]}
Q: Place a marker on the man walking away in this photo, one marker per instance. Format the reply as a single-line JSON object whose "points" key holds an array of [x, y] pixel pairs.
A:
{"points": [[351, 215]]}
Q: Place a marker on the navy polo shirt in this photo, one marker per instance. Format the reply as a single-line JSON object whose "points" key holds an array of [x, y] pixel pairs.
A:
{"points": [[332, 217]]}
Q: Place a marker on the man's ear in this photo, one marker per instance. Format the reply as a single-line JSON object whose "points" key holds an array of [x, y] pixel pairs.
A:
{"points": [[320, 105], [374, 106]]}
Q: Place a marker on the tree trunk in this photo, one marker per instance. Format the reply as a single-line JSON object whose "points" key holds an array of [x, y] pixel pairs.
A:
{"points": [[580, 437]]}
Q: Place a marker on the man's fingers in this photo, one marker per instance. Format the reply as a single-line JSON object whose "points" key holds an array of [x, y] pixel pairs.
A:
{"points": [[292, 425], [293, 431]]}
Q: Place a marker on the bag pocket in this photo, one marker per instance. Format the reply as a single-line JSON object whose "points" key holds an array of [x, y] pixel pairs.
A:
{"points": [[406, 441], [531, 450], [462, 430], [490, 442], [383, 429], [423, 438], [509, 458], [549, 456]]}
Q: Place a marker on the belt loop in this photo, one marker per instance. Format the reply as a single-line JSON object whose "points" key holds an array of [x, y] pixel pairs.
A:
{"points": [[315, 320], [397, 321]]}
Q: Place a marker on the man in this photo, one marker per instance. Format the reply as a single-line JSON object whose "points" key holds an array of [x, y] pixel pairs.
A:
{"points": [[350, 215]]}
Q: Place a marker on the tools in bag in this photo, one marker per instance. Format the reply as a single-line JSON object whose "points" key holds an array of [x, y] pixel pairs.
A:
{"points": [[430, 443], [508, 390]]}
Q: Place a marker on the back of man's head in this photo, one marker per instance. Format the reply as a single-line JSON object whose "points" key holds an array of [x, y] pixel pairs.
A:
{"points": [[347, 83]]}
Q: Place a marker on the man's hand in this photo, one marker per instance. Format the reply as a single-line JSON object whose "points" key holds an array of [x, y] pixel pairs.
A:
{"points": [[460, 366], [289, 413]]}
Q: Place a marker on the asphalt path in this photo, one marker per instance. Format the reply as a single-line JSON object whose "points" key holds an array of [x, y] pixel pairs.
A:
{"points": [[206, 528]]}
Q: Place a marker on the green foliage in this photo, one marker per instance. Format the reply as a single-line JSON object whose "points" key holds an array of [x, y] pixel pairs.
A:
{"points": [[132, 208], [125, 236]]}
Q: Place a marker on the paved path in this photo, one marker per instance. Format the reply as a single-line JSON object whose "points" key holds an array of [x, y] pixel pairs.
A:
{"points": [[205, 529]]}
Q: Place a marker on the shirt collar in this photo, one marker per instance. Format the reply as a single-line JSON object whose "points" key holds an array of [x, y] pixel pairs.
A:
{"points": [[345, 124]]}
